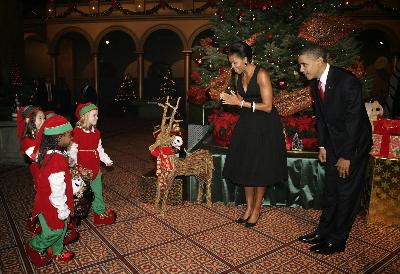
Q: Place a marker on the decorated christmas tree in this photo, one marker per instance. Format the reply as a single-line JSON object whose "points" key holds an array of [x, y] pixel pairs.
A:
{"points": [[125, 92], [168, 86], [277, 30]]}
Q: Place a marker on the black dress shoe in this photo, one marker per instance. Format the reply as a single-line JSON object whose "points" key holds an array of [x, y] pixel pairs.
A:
{"points": [[327, 248], [241, 220], [312, 238]]}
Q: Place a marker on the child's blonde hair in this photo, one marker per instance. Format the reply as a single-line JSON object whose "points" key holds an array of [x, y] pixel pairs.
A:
{"points": [[84, 121]]}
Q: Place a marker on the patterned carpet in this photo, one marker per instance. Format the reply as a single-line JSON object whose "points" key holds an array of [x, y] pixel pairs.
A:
{"points": [[189, 238]]}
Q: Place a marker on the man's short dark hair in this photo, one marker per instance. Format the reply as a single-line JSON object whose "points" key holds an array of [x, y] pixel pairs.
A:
{"points": [[316, 51]]}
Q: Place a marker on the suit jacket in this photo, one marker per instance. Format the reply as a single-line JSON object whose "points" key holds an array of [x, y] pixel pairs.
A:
{"points": [[342, 120]]}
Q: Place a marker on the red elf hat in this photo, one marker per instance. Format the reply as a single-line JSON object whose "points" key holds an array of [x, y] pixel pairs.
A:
{"points": [[81, 109], [55, 125]]}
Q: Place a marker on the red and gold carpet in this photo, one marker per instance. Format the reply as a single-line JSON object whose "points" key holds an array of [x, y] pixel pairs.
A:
{"points": [[189, 238]]}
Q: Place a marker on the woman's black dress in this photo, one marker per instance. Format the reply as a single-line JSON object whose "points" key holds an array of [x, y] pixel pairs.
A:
{"points": [[257, 153]]}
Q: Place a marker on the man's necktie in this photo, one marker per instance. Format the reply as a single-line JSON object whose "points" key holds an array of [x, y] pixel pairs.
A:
{"points": [[321, 91]]}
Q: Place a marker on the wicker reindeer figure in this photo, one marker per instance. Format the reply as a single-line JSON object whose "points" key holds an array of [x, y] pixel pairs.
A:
{"points": [[199, 163]]}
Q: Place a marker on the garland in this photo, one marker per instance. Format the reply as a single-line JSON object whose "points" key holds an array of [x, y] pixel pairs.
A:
{"points": [[370, 4], [116, 6]]}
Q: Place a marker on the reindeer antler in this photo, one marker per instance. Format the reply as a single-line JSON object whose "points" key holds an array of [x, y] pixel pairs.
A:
{"points": [[172, 118]]}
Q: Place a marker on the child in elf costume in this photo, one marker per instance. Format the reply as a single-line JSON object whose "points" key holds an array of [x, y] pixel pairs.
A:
{"points": [[54, 194], [88, 151], [29, 121]]}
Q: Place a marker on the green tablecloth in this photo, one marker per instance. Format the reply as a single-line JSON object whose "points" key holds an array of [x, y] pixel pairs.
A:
{"points": [[304, 187]]}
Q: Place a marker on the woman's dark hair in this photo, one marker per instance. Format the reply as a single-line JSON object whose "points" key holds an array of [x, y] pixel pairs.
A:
{"points": [[30, 129], [49, 142], [242, 50]]}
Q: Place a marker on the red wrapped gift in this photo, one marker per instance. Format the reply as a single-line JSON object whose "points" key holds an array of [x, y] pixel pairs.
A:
{"points": [[386, 138]]}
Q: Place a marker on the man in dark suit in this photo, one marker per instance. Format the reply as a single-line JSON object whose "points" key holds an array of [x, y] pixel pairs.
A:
{"points": [[345, 139]]}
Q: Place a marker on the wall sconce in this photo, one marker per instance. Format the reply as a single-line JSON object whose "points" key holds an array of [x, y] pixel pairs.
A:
{"points": [[94, 6], [51, 9]]}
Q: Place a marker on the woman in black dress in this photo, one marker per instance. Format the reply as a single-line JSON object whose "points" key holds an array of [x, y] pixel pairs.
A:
{"points": [[257, 154]]}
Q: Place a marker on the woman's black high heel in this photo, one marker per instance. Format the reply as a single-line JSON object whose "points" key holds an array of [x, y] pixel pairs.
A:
{"points": [[241, 220], [250, 225]]}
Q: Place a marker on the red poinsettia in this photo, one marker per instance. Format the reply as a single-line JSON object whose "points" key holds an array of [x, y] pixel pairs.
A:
{"points": [[196, 95], [304, 126], [224, 123]]}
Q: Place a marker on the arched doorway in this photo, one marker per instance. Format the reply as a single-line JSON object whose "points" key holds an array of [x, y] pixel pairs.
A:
{"points": [[74, 64], [162, 53], [116, 56], [36, 57]]}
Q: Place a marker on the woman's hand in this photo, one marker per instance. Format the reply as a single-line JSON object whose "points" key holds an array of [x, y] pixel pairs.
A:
{"points": [[231, 99]]}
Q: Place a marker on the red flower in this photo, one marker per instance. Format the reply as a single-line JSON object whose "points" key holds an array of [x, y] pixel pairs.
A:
{"points": [[224, 123], [197, 95], [196, 76]]}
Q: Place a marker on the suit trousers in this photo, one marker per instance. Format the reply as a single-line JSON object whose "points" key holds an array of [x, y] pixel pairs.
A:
{"points": [[341, 198]]}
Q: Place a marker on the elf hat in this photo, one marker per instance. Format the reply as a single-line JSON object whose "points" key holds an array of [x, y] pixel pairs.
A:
{"points": [[55, 125], [81, 109], [22, 114], [49, 113]]}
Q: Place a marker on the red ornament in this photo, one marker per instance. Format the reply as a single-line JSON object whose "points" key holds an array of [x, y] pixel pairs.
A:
{"points": [[265, 7], [221, 17], [269, 36], [242, 14], [282, 84]]}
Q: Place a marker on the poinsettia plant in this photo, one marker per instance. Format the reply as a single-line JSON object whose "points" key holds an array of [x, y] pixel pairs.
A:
{"points": [[305, 127], [223, 125]]}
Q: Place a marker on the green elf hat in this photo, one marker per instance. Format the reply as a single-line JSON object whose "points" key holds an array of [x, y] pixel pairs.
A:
{"points": [[54, 125], [81, 109]]}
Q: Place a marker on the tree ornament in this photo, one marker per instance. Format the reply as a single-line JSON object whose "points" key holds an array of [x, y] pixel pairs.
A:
{"points": [[221, 17], [269, 36], [282, 84], [265, 7]]}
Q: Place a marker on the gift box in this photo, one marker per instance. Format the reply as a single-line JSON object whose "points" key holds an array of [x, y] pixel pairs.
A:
{"points": [[384, 204], [147, 190], [386, 138]]}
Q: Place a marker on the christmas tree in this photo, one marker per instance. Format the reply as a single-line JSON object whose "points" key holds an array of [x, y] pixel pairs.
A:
{"points": [[277, 30], [126, 92], [168, 87]]}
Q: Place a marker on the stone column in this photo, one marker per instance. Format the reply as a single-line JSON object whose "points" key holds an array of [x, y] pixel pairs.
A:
{"points": [[96, 74], [186, 68], [53, 64], [140, 73]]}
